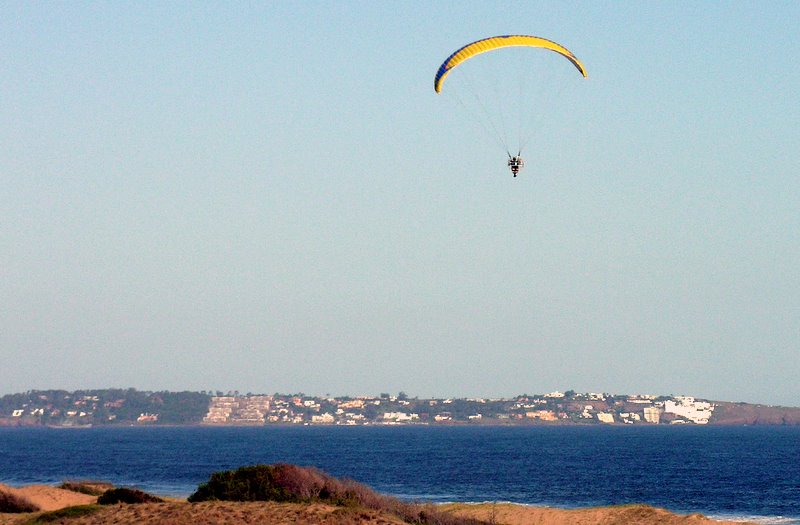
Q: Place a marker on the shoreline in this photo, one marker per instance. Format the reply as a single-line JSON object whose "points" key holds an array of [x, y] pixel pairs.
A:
{"points": [[179, 511], [486, 423]]}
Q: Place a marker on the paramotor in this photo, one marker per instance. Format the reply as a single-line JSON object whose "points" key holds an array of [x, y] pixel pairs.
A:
{"points": [[520, 109]]}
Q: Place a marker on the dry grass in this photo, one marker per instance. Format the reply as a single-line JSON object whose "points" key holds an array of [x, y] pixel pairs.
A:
{"points": [[227, 513], [273, 513], [15, 503], [90, 487], [511, 514]]}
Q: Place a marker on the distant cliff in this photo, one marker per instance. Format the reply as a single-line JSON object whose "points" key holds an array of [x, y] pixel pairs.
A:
{"points": [[727, 413]]}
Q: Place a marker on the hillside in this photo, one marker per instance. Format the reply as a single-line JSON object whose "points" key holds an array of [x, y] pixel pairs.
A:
{"points": [[129, 406], [727, 413]]}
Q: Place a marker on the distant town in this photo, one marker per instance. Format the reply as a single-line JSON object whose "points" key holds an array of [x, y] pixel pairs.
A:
{"points": [[400, 410], [60, 408]]}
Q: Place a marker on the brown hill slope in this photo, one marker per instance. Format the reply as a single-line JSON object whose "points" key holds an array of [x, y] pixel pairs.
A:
{"points": [[727, 413]]}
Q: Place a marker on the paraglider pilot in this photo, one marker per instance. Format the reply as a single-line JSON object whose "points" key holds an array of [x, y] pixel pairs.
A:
{"points": [[515, 163]]}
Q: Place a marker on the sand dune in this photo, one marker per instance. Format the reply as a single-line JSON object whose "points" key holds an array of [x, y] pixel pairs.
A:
{"points": [[271, 513], [511, 514], [221, 513], [49, 498]]}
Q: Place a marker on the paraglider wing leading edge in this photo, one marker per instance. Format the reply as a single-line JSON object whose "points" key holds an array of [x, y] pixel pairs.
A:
{"points": [[497, 42]]}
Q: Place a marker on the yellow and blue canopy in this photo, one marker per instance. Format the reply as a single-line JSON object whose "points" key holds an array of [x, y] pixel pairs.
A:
{"points": [[498, 42]]}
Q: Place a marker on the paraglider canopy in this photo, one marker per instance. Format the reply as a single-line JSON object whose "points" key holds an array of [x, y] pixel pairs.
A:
{"points": [[509, 104], [498, 42]]}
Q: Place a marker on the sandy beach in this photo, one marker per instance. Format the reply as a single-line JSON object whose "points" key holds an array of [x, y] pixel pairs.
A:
{"points": [[179, 512]]}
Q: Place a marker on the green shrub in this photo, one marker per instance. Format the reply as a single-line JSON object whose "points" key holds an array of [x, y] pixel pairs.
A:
{"points": [[65, 513], [290, 483], [123, 495], [256, 483]]}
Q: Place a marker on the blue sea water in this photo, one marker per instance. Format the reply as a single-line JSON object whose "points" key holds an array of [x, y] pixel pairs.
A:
{"points": [[724, 472]]}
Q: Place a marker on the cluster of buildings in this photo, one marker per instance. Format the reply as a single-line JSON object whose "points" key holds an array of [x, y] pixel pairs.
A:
{"points": [[73, 409], [259, 409], [556, 407], [689, 409], [126, 407], [238, 409]]}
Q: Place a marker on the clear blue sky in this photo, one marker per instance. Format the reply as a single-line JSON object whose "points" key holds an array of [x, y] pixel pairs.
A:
{"points": [[270, 197]]}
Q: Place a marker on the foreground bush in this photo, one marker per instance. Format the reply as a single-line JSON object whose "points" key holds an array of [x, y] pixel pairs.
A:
{"points": [[123, 495], [290, 483], [287, 483], [13, 503]]}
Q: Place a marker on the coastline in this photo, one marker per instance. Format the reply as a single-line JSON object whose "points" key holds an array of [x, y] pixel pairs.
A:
{"points": [[181, 512], [112, 406], [525, 467]]}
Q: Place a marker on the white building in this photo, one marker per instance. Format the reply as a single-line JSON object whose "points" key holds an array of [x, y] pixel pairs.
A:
{"points": [[652, 415], [630, 417], [698, 412], [217, 414], [605, 417], [400, 417], [325, 418], [555, 395]]}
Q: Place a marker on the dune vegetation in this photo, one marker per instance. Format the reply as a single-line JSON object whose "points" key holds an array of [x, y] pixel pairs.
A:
{"points": [[293, 484], [14, 503], [280, 494]]}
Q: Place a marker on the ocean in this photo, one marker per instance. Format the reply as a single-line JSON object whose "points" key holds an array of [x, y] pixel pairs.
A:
{"points": [[724, 472]]}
